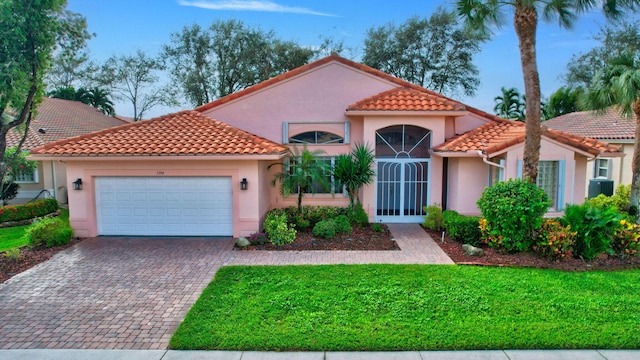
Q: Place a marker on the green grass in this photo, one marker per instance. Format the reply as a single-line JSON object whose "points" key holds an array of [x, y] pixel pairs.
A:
{"points": [[412, 307], [13, 237]]}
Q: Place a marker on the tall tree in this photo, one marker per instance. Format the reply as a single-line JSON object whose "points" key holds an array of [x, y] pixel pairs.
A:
{"points": [[135, 78], [509, 105], [618, 84], [479, 15], [226, 57], [31, 31], [614, 41], [435, 53], [564, 101]]}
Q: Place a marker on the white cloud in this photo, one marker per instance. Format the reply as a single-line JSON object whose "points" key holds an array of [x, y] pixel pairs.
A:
{"points": [[250, 5]]}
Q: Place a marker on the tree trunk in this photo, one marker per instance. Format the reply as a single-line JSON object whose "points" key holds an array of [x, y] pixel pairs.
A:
{"points": [[634, 201], [526, 22]]}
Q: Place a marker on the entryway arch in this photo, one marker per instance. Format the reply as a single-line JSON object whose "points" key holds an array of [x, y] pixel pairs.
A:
{"points": [[403, 173]]}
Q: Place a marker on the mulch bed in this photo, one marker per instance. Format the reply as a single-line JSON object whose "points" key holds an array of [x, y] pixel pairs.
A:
{"points": [[493, 257], [361, 238], [28, 259]]}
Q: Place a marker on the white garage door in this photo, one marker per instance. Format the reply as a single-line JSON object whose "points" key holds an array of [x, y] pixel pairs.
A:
{"points": [[164, 206]]}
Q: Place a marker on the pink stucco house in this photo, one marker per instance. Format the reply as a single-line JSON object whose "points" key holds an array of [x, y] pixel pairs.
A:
{"points": [[206, 171]]}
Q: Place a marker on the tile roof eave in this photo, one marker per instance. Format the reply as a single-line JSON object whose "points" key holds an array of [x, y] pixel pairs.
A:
{"points": [[405, 112], [125, 157]]}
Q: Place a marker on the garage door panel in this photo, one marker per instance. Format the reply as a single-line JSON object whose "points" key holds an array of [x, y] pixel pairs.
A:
{"points": [[164, 206]]}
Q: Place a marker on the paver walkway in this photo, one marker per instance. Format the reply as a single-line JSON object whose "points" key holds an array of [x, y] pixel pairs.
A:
{"points": [[132, 293]]}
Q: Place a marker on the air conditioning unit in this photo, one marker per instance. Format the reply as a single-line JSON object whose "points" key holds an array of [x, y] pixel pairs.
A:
{"points": [[600, 186]]}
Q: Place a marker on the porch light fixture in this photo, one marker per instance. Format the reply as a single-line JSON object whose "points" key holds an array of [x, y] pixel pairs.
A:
{"points": [[243, 184], [77, 185]]}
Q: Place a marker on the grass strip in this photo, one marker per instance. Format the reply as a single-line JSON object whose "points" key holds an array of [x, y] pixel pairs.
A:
{"points": [[412, 307], [13, 237]]}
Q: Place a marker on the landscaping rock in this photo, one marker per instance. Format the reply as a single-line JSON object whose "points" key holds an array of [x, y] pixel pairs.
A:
{"points": [[242, 242], [471, 250]]}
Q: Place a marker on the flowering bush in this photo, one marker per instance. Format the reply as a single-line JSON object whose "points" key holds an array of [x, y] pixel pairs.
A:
{"points": [[258, 238], [626, 239], [28, 211], [554, 240]]}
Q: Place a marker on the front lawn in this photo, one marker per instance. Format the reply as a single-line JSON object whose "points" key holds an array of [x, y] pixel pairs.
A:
{"points": [[412, 307], [13, 237]]}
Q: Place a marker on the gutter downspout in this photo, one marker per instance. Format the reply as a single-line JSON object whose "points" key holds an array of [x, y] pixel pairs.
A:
{"points": [[486, 161]]}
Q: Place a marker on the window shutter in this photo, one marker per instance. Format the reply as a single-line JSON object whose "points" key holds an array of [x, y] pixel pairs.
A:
{"points": [[519, 169], [347, 132], [561, 181], [285, 132]]}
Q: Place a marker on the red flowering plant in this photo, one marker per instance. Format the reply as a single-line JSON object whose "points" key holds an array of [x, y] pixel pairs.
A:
{"points": [[626, 239], [554, 240]]}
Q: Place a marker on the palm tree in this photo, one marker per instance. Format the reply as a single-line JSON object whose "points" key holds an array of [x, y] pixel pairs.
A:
{"points": [[354, 170], [479, 15], [509, 105], [303, 173], [618, 84], [99, 99]]}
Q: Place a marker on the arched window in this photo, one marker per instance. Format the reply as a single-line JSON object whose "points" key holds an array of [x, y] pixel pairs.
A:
{"points": [[403, 141], [316, 137]]}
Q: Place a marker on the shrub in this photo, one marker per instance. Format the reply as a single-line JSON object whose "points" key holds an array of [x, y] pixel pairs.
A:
{"points": [[325, 229], [433, 220], [342, 224], [554, 240], [358, 216], [277, 229], [619, 200], [595, 227], [462, 228], [513, 210], [377, 227], [8, 192], [28, 211], [317, 214], [48, 232], [13, 254], [258, 238], [626, 239]]}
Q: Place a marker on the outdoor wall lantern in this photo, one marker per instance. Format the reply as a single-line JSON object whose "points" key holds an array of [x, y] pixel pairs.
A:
{"points": [[77, 185], [243, 184]]}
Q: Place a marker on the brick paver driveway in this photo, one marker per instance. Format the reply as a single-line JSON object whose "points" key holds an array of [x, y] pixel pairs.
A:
{"points": [[109, 293], [132, 293]]}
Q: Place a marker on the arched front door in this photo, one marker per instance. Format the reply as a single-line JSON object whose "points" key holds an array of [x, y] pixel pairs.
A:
{"points": [[402, 177]]}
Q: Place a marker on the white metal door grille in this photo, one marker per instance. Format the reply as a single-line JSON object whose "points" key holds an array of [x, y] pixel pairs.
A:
{"points": [[402, 189]]}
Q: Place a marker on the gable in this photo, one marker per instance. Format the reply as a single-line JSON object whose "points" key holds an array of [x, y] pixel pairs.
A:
{"points": [[318, 95]]}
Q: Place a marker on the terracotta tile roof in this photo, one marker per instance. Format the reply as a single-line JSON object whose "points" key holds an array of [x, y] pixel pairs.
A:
{"points": [[610, 125], [499, 135], [407, 99], [301, 70], [58, 119], [184, 133], [32, 141]]}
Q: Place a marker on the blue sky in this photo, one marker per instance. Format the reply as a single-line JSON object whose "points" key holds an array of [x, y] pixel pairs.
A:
{"points": [[122, 27]]}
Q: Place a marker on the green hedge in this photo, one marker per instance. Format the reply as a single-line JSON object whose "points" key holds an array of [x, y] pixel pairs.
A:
{"points": [[462, 228], [28, 211]]}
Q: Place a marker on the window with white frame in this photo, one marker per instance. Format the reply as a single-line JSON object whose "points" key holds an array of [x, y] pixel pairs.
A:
{"points": [[601, 168], [27, 177], [548, 172], [334, 188], [316, 137], [496, 173], [551, 179]]}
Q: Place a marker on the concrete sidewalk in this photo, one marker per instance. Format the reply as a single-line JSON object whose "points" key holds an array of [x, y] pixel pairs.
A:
{"points": [[256, 355]]}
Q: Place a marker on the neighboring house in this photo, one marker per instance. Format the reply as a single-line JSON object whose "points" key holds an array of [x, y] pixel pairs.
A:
{"points": [[207, 171], [610, 127], [55, 119]]}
